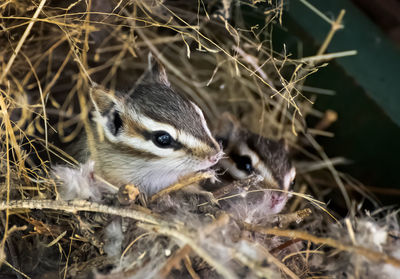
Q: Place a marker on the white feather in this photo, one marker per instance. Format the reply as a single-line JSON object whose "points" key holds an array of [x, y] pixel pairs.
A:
{"points": [[79, 183], [113, 238]]}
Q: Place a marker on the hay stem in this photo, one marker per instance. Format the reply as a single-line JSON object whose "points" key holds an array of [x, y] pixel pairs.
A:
{"points": [[22, 40], [366, 252]]}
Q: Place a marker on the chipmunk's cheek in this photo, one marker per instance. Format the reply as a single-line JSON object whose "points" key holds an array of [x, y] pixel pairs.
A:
{"points": [[207, 162], [202, 165]]}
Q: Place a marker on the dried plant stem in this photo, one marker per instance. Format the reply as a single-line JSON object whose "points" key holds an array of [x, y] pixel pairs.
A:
{"points": [[22, 40], [332, 169], [184, 252], [174, 261], [290, 101], [277, 262], [336, 25], [283, 220], [131, 244], [19, 273], [186, 181], [6, 122], [368, 253], [79, 205], [297, 200], [316, 11], [262, 272], [189, 267], [186, 239], [236, 185], [329, 56]]}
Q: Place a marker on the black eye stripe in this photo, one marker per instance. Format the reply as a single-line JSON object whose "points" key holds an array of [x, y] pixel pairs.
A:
{"points": [[161, 139], [243, 162]]}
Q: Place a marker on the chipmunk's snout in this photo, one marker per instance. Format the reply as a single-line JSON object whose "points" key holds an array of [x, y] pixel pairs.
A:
{"points": [[215, 157]]}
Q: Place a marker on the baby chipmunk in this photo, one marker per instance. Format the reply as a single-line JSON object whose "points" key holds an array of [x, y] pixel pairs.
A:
{"points": [[152, 137], [249, 153]]}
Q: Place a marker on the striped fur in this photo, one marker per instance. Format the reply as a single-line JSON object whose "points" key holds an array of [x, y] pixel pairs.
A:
{"points": [[269, 158], [128, 155]]}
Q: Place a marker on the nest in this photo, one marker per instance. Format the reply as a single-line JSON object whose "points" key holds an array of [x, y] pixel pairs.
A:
{"points": [[53, 50]]}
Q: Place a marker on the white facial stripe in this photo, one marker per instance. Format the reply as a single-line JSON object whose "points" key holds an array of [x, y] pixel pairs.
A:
{"points": [[152, 125], [180, 136], [203, 120], [289, 177], [190, 141], [244, 150], [266, 173]]}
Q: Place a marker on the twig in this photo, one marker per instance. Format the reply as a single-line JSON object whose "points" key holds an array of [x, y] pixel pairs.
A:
{"points": [[297, 200], [186, 239], [317, 12], [79, 205], [22, 40], [368, 253], [329, 56], [174, 261], [184, 182], [183, 253], [330, 116], [261, 271], [189, 267], [334, 27], [277, 262], [283, 220], [284, 245], [252, 180]]}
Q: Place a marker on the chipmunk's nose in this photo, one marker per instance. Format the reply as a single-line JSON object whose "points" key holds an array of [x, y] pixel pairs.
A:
{"points": [[215, 158]]}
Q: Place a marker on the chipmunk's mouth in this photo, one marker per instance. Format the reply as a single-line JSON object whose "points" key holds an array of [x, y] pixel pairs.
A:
{"points": [[210, 161]]}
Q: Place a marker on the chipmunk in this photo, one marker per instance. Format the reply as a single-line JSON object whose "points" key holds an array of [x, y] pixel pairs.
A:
{"points": [[249, 153], [152, 137]]}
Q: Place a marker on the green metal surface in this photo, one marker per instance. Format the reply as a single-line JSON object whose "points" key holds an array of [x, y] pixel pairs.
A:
{"points": [[376, 68], [367, 93]]}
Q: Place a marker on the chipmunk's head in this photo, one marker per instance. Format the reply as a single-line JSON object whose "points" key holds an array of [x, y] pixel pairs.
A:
{"points": [[249, 153], [153, 136]]}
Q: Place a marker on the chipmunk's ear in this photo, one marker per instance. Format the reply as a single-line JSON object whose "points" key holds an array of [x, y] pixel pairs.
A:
{"points": [[102, 99], [156, 71], [108, 110]]}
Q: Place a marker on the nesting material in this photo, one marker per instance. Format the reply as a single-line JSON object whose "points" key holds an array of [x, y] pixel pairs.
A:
{"points": [[80, 183], [60, 219]]}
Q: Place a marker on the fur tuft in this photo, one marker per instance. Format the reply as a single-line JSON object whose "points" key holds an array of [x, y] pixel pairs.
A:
{"points": [[79, 183]]}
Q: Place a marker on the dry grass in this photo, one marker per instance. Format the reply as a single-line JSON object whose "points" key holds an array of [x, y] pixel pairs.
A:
{"points": [[51, 52]]}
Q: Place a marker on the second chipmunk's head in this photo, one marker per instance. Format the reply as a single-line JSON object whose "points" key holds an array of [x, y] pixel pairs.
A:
{"points": [[152, 136], [249, 153]]}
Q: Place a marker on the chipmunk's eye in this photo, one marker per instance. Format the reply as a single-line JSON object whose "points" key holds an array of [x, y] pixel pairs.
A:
{"points": [[244, 163], [293, 182], [162, 139]]}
